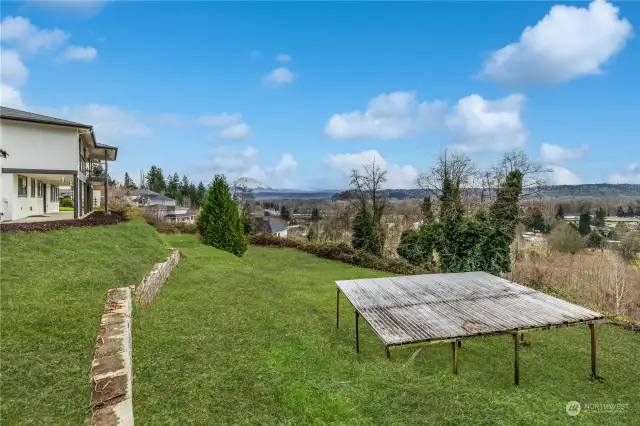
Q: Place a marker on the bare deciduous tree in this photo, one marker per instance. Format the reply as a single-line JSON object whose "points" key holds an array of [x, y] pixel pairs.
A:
{"points": [[455, 167], [366, 187], [533, 182]]}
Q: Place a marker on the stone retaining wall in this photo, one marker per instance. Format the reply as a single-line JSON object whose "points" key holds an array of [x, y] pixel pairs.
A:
{"points": [[152, 284], [111, 370]]}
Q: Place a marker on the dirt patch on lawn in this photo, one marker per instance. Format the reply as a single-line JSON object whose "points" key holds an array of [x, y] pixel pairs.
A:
{"points": [[94, 219]]}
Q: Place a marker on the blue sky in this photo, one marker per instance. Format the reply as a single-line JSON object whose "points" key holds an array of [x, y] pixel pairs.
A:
{"points": [[297, 94]]}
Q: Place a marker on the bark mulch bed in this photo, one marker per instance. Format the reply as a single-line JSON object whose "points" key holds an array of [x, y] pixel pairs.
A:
{"points": [[94, 219]]}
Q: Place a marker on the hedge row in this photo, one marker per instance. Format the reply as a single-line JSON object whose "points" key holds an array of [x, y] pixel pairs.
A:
{"points": [[176, 228], [340, 252]]}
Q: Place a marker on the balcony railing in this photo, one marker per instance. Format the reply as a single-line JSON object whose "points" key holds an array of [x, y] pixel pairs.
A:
{"points": [[95, 170]]}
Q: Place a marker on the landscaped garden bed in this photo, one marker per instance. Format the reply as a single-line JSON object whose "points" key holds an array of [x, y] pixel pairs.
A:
{"points": [[94, 219]]}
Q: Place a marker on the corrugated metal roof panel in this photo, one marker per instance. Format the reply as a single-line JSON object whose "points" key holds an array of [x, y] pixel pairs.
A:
{"points": [[420, 308]]}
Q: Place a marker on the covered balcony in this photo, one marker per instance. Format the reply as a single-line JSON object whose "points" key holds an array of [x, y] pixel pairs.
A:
{"points": [[94, 171]]}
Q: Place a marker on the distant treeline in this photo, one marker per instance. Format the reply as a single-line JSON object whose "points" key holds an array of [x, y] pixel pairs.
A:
{"points": [[550, 191]]}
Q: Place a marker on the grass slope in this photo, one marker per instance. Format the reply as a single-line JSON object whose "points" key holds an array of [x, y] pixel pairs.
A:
{"points": [[253, 340], [53, 292]]}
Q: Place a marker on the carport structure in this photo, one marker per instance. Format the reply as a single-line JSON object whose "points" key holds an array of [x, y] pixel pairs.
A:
{"points": [[421, 309]]}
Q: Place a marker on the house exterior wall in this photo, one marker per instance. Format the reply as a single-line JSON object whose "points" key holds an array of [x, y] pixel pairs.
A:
{"points": [[33, 146], [36, 146], [14, 207]]}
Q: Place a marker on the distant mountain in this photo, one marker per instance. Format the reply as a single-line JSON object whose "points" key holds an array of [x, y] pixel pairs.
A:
{"points": [[254, 184], [551, 191]]}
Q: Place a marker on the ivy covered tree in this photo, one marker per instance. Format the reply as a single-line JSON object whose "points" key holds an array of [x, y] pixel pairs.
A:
{"points": [[365, 192], [620, 212], [416, 247], [427, 209], [560, 212], [365, 233], [219, 223], [630, 212], [469, 242]]}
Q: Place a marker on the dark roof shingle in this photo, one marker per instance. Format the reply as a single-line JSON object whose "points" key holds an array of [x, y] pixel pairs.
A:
{"points": [[19, 115]]}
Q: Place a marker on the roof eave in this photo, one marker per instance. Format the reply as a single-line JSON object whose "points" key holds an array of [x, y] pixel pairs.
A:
{"points": [[50, 123]]}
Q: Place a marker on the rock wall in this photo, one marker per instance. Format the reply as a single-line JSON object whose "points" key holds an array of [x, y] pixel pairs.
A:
{"points": [[111, 370], [152, 284]]}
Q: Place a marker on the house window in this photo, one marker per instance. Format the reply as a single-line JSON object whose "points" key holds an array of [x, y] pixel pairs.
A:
{"points": [[22, 186], [33, 188], [39, 189], [54, 193]]}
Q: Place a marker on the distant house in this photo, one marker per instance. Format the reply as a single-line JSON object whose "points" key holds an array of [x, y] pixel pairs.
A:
{"points": [[161, 206], [274, 225], [179, 214]]}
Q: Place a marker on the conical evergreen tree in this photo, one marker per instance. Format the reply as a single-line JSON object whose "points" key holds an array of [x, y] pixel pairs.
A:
{"points": [[584, 225], [219, 222]]}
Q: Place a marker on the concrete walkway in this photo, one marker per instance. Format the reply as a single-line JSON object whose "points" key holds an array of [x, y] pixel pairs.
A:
{"points": [[47, 217]]}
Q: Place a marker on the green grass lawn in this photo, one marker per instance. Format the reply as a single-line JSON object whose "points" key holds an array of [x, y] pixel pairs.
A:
{"points": [[65, 209], [53, 292], [253, 340]]}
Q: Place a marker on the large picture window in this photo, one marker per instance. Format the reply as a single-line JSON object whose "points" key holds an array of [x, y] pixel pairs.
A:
{"points": [[54, 193], [22, 186], [33, 188]]}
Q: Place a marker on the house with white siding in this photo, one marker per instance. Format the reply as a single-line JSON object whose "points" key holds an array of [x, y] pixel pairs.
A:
{"points": [[43, 153]]}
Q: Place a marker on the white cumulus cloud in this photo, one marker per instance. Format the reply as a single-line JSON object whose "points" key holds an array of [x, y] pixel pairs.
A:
{"points": [[10, 97], [110, 122], [630, 174], [279, 76], [231, 125], [235, 132], [567, 43], [561, 176], [236, 163], [79, 53], [13, 71], [286, 164], [482, 125], [554, 154], [393, 115], [398, 176], [27, 38]]}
